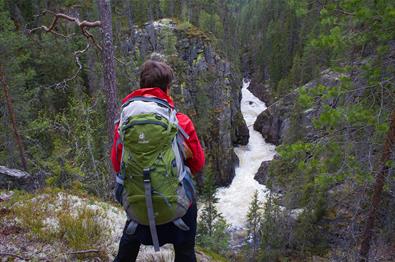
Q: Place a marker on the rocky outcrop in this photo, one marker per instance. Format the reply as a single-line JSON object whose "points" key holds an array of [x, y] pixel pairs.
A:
{"points": [[262, 176], [280, 123], [262, 91], [34, 228], [205, 87], [274, 121], [283, 123], [13, 178]]}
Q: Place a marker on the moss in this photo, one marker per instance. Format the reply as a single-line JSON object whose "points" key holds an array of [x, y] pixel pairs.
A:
{"points": [[199, 58], [215, 257], [191, 31]]}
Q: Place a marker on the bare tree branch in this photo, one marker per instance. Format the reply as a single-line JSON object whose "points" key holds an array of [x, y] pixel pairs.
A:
{"points": [[62, 84], [83, 25]]}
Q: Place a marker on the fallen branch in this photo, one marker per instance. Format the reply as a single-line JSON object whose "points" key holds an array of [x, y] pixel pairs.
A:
{"points": [[83, 252]]}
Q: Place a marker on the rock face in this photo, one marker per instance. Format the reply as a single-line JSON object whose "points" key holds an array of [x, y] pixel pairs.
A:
{"points": [[281, 123], [205, 87], [261, 90], [273, 122], [262, 176], [277, 123]]}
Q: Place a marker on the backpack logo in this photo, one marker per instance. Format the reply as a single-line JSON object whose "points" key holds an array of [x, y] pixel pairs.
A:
{"points": [[142, 139]]}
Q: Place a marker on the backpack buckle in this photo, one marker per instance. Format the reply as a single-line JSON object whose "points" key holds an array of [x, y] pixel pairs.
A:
{"points": [[146, 174]]}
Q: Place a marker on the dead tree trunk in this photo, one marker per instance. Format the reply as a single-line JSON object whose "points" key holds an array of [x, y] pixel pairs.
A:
{"points": [[108, 64], [378, 189], [11, 112]]}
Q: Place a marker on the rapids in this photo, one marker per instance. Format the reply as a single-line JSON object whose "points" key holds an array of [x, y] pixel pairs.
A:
{"points": [[234, 200]]}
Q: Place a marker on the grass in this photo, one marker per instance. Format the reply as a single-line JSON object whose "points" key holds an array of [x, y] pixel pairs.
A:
{"points": [[47, 218]]}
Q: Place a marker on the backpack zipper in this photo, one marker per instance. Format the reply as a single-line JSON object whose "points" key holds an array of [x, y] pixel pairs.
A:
{"points": [[144, 122]]}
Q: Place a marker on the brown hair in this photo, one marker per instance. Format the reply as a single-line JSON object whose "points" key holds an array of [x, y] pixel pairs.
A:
{"points": [[156, 74]]}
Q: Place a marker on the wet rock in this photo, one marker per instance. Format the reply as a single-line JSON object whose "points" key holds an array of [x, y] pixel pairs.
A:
{"points": [[262, 176], [273, 123], [262, 91]]}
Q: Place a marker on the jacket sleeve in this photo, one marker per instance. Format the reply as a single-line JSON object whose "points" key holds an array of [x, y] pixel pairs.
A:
{"points": [[116, 150], [196, 163]]}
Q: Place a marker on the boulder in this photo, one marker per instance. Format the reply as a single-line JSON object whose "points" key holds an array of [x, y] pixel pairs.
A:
{"points": [[14, 178], [262, 176]]}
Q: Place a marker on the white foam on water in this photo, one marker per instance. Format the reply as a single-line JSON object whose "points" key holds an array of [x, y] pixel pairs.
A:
{"points": [[234, 200]]}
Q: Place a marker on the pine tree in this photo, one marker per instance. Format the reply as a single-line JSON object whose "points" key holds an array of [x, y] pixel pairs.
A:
{"points": [[254, 220], [211, 232], [108, 64], [12, 79]]}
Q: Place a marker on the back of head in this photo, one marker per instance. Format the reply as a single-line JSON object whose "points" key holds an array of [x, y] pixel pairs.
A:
{"points": [[156, 74]]}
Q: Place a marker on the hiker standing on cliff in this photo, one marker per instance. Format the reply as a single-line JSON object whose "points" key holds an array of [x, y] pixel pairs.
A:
{"points": [[155, 151]]}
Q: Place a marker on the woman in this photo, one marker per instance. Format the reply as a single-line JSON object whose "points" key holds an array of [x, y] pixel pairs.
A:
{"points": [[155, 80]]}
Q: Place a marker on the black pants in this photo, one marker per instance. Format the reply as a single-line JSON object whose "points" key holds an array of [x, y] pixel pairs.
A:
{"points": [[183, 241]]}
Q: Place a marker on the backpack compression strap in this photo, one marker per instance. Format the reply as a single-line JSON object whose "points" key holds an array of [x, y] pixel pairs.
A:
{"points": [[150, 208]]}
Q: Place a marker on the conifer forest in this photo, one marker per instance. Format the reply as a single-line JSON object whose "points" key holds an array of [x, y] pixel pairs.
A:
{"points": [[293, 102]]}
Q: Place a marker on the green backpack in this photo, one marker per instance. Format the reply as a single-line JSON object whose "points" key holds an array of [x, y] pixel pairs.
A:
{"points": [[158, 188]]}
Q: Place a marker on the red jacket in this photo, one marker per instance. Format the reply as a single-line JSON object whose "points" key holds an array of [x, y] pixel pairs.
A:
{"points": [[195, 163]]}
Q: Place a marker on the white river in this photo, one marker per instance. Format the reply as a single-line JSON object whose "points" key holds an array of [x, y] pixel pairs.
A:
{"points": [[234, 200]]}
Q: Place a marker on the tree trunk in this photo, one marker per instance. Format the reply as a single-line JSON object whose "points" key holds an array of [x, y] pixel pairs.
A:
{"points": [[378, 189], [11, 112], [108, 65], [170, 9], [129, 14]]}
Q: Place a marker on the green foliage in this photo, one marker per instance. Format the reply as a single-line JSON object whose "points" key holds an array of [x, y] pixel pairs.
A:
{"points": [[273, 232], [170, 41], [212, 226], [254, 221], [350, 117], [47, 218], [211, 23], [281, 52], [289, 43], [14, 57], [81, 231]]}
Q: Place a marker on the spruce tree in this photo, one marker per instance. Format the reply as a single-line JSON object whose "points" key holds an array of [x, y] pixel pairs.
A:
{"points": [[212, 227], [254, 220]]}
